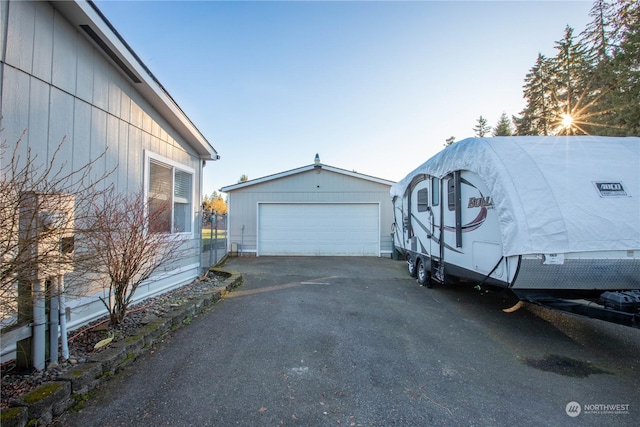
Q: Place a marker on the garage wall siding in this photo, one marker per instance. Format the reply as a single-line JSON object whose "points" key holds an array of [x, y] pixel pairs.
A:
{"points": [[305, 187]]}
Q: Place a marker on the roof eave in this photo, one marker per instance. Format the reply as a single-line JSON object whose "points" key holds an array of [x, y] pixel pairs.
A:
{"points": [[88, 19], [301, 170]]}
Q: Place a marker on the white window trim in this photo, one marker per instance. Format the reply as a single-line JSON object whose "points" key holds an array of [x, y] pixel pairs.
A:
{"points": [[148, 156]]}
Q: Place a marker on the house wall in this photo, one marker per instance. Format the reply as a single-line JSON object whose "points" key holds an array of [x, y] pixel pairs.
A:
{"points": [[56, 86], [313, 186]]}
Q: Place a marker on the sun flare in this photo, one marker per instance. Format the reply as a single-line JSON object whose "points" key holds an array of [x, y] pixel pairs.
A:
{"points": [[567, 121]]}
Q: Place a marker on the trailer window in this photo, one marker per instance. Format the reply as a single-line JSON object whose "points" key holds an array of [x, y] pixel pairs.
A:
{"points": [[423, 200], [451, 194], [435, 191]]}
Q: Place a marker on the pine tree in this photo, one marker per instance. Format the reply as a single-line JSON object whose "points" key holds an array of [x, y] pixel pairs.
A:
{"points": [[623, 16], [610, 49], [538, 90], [594, 80], [626, 68], [571, 75], [598, 35], [482, 128], [503, 127], [598, 40]]}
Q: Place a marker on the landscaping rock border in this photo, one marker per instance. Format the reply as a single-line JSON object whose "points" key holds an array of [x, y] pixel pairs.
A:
{"points": [[41, 405]]}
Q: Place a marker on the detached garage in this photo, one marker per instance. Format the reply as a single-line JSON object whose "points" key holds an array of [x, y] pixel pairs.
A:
{"points": [[315, 210]]}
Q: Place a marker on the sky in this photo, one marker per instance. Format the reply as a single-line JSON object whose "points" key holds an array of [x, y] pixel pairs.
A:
{"points": [[374, 87]]}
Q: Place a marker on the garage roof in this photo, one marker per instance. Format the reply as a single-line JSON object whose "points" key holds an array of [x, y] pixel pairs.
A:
{"points": [[302, 170]]}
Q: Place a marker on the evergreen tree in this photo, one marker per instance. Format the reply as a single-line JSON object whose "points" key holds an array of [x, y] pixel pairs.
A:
{"points": [[449, 141], [598, 40], [503, 127], [594, 80], [623, 16], [609, 44], [538, 90], [482, 128], [626, 68], [571, 80], [598, 35]]}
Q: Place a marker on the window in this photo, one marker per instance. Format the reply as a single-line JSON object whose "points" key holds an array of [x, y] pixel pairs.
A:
{"points": [[451, 194], [423, 200], [170, 192], [435, 191]]}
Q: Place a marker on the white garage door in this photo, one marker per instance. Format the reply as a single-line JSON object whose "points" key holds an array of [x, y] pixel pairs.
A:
{"points": [[319, 229]]}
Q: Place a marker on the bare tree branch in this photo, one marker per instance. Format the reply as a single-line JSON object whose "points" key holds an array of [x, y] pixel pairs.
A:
{"points": [[39, 204], [126, 250]]}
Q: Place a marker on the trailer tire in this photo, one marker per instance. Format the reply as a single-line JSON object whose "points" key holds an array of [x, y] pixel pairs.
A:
{"points": [[424, 275], [411, 267]]}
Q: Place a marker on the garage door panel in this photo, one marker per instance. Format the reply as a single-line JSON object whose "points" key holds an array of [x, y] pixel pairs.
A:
{"points": [[319, 229]]}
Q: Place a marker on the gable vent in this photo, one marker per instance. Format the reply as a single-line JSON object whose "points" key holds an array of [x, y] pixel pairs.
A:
{"points": [[87, 29]]}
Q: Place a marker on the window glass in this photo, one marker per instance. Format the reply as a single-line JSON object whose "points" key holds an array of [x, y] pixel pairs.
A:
{"points": [[451, 194], [435, 191], [170, 198], [423, 200], [159, 197], [182, 202]]}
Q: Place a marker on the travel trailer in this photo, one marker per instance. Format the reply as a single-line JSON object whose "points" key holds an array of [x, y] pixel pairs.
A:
{"points": [[552, 219]]}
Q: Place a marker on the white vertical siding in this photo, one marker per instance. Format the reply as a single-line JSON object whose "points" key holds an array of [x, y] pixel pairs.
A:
{"points": [[84, 72], [65, 56], [15, 84], [43, 42], [100, 94], [4, 14], [20, 35], [61, 128], [57, 85], [38, 124], [81, 132]]}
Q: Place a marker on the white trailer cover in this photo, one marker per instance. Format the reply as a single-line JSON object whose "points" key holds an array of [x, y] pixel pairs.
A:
{"points": [[553, 194]]}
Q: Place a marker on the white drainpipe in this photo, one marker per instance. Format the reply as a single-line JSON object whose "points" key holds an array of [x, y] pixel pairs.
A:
{"points": [[39, 326], [63, 318], [53, 324]]}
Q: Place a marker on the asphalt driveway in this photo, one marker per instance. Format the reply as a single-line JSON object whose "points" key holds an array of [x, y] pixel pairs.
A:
{"points": [[356, 342]]}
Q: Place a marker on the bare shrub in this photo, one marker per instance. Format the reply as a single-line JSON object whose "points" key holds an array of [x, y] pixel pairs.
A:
{"points": [[126, 247]]}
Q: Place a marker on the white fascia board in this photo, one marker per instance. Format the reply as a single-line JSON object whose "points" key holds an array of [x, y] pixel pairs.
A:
{"points": [[86, 13], [305, 169], [358, 175], [265, 179]]}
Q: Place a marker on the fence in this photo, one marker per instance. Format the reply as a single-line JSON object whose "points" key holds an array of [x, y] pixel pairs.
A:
{"points": [[214, 238]]}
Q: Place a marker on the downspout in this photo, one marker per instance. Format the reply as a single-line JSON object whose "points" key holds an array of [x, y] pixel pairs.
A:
{"points": [[39, 326], [200, 187], [63, 318], [53, 322]]}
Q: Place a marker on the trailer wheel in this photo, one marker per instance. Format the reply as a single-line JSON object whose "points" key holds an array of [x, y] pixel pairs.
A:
{"points": [[424, 276], [411, 267]]}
